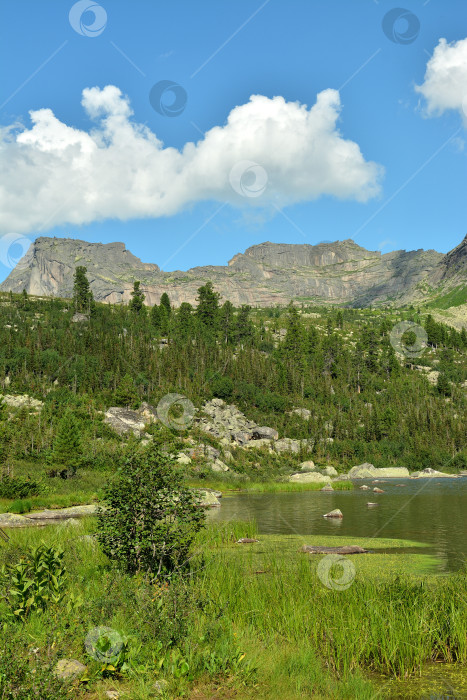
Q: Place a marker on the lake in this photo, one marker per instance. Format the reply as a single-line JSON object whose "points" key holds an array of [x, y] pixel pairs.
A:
{"points": [[433, 511]]}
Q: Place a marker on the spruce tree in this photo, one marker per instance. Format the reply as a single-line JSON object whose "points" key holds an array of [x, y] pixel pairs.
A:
{"points": [[67, 447], [126, 394], [208, 307], [83, 299], [137, 298], [165, 303]]}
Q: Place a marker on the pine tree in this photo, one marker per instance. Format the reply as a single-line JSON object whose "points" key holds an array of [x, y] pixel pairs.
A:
{"points": [[156, 317], [245, 329], [208, 306], [227, 323], [67, 447], [184, 320], [82, 295], [165, 302], [443, 384], [126, 394], [137, 298]]}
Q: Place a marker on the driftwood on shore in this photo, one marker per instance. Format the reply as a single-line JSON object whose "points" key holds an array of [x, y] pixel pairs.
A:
{"points": [[347, 549]]}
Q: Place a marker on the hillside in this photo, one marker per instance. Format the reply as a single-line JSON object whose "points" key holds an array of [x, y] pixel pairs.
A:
{"points": [[264, 275]]}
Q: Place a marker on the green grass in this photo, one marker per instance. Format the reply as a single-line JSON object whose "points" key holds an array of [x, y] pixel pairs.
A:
{"points": [[237, 486], [266, 601], [455, 297]]}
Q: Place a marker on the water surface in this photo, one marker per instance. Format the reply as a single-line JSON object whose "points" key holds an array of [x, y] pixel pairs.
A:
{"points": [[433, 511]]}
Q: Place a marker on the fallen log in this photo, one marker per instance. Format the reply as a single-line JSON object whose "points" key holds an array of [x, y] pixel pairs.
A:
{"points": [[347, 549]]}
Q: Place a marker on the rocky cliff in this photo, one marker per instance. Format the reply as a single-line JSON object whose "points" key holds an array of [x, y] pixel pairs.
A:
{"points": [[265, 274]]}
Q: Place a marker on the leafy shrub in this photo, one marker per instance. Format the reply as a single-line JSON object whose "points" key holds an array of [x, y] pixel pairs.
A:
{"points": [[149, 518], [38, 579], [17, 487]]}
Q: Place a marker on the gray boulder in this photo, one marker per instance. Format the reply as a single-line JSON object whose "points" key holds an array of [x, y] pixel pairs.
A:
{"points": [[432, 473], [302, 412], [22, 401], [69, 669], [219, 466], [264, 433], [329, 471], [79, 318], [123, 420], [308, 478], [334, 514], [287, 445], [207, 498], [308, 466], [369, 471]]}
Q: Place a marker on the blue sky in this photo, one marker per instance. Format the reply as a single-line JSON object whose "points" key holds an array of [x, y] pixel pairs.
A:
{"points": [[221, 53]]}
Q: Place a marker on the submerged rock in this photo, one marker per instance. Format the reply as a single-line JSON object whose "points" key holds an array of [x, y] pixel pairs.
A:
{"points": [[346, 549]]}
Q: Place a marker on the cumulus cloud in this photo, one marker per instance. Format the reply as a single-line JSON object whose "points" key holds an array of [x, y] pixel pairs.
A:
{"points": [[53, 173], [445, 84]]}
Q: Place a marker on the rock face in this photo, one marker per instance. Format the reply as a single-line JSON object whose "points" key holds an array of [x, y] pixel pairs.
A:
{"points": [[264, 275], [368, 471]]}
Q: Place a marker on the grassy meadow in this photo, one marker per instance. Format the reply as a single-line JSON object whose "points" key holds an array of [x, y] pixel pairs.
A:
{"points": [[253, 620]]}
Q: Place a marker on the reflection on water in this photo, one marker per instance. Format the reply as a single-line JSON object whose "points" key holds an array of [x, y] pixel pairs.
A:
{"points": [[438, 682], [425, 510]]}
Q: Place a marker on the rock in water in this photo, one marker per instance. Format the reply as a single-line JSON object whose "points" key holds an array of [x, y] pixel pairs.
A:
{"points": [[364, 488], [246, 540], [368, 471], [377, 490], [328, 487], [346, 549], [334, 514], [372, 505]]}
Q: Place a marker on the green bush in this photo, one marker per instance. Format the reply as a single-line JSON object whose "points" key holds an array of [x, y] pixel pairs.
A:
{"points": [[17, 487], [149, 517]]}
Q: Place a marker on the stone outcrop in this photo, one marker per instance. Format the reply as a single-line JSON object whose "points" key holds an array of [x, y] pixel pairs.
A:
{"points": [[124, 420], [308, 478], [264, 275], [368, 471], [22, 401], [432, 473]]}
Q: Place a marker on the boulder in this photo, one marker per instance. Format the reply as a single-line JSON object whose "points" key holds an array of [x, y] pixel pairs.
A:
{"points": [[183, 459], [246, 540], [219, 466], [287, 445], [302, 412], [308, 466], [69, 669], [308, 478], [328, 487], [377, 490], [62, 513], [257, 444], [123, 420], [207, 498], [368, 471], [79, 318], [240, 437], [430, 473], [334, 514], [372, 505], [364, 488], [22, 401], [264, 433], [329, 471], [13, 520]]}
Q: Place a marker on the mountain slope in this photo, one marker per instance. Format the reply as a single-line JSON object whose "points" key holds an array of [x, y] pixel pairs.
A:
{"points": [[265, 274]]}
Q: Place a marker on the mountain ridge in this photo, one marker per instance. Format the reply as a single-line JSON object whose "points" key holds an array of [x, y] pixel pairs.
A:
{"points": [[340, 272]]}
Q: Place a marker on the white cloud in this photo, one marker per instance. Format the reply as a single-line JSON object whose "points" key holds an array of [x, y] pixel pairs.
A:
{"points": [[53, 174], [445, 84]]}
